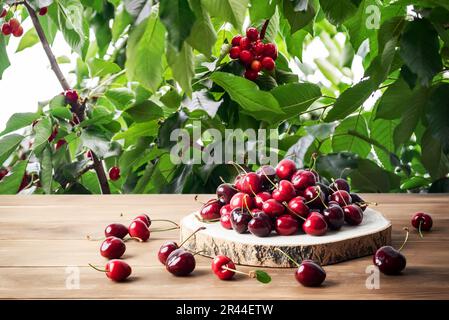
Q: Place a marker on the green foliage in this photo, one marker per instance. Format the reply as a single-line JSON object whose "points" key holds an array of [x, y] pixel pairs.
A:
{"points": [[146, 68]]}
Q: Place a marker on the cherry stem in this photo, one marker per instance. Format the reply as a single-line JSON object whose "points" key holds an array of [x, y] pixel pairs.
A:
{"points": [[405, 240], [232, 187], [249, 274], [313, 158], [206, 221], [162, 230], [88, 237], [263, 30], [336, 185], [289, 209], [419, 229], [165, 220], [237, 167], [290, 258], [316, 197], [198, 252], [96, 268], [191, 235], [268, 178], [133, 238], [342, 171]]}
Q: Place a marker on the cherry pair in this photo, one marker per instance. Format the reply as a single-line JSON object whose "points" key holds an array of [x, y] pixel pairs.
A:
{"points": [[224, 268], [13, 27]]}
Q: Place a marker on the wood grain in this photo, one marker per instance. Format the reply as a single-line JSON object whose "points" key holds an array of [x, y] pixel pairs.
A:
{"points": [[43, 237]]}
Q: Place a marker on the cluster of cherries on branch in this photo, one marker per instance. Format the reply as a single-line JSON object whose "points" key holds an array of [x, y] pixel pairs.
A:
{"points": [[12, 25], [284, 199], [253, 53]]}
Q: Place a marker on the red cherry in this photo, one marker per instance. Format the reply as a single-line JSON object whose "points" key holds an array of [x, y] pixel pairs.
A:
{"points": [[114, 173], [286, 225], [145, 219], [138, 229], [116, 230], [240, 217], [310, 274], [273, 208], [334, 216], [117, 270], [270, 50], [165, 250], [285, 169], [256, 65], [303, 180], [18, 32], [225, 221], [268, 63], [285, 191], [3, 13], [226, 209], [237, 181], [340, 184], [71, 96], [234, 53], [314, 197], [353, 214], [389, 260], [236, 40], [242, 200], [252, 34], [245, 43], [180, 263], [297, 208], [258, 47], [251, 74], [246, 56], [423, 221], [250, 183], [217, 267], [14, 24], [60, 143], [43, 11], [342, 197], [260, 198], [6, 29], [211, 210], [315, 224], [260, 225], [112, 248]]}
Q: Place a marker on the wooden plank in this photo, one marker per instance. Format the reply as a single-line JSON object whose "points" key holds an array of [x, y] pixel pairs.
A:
{"points": [[41, 235]]}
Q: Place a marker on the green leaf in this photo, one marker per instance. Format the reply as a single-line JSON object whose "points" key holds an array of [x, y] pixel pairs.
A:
{"points": [[295, 43], [46, 174], [350, 100], [11, 183], [262, 276], [437, 113], [342, 141], [120, 97], [294, 98], [145, 111], [181, 64], [337, 11], [96, 141], [232, 11], [8, 145], [420, 50], [122, 20], [101, 68], [145, 179], [62, 112], [336, 164], [202, 36], [298, 18], [432, 156], [144, 51], [262, 9], [259, 104], [369, 177], [178, 19], [394, 101], [43, 129], [143, 129], [414, 182], [28, 40], [19, 121], [4, 60], [382, 131]]}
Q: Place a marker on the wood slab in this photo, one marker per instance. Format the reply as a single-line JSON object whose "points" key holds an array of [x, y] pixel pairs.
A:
{"points": [[246, 249], [43, 237]]}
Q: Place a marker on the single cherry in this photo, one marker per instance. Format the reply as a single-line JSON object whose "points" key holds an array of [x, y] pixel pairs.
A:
{"points": [[268, 63], [71, 96], [225, 192], [260, 225], [245, 43], [356, 199], [226, 209], [334, 216], [114, 173], [145, 219], [112, 248], [242, 200], [286, 225], [211, 210], [251, 183], [246, 57], [273, 208], [315, 224], [6, 29], [225, 221], [389, 260], [256, 65], [236, 40], [234, 53], [297, 208], [353, 214], [180, 263], [285, 169], [43, 11], [267, 175], [251, 74], [240, 217], [18, 32], [252, 34], [422, 221], [342, 197], [284, 192], [340, 184], [60, 143], [139, 230], [223, 267], [116, 270], [116, 230], [260, 198], [3, 13], [303, 179], [314, 197]]}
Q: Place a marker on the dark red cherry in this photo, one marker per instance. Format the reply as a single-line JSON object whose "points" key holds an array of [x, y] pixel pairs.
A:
{"points": [[315, 224], [285, 169], [246, 57], [116, 230], [180, 263], [325, 189], [117, 270], [3, 173], [340, 184], [240, 219], [60, 143], [245, 43], [252, 34], [310, 274], [210, 210], [342, 197], [114, 173], [303, 180], [165, 250], [242, 200], [43, 11], [353, 214], [260, 225], [334, 216], [144, 218], [314, 197], [3, 12], [251, 74], [297, 208], [284, 192], [286, 225], [267, 176], [234, 53], [423, 221], [251, 183], [260, 198], [236, 40], [273, 208], [112, 248], [270, 50], [218, 263], [71, 96], [356, 199], [389, 260], [225, 220], [225, 192], [138, 229]]}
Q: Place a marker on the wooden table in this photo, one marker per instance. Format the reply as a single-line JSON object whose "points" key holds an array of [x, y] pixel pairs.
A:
{"points": [[43, 241]]}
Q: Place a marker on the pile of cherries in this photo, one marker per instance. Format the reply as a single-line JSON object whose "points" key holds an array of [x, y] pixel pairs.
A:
{"points": [[253, 53], [284, 199], [114, 247]]}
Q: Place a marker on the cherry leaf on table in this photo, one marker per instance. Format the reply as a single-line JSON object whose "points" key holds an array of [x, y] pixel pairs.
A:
{"points": [[262, 276]]}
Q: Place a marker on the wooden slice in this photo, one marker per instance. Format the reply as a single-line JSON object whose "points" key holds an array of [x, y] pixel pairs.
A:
{"points": [[246, 249]]}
